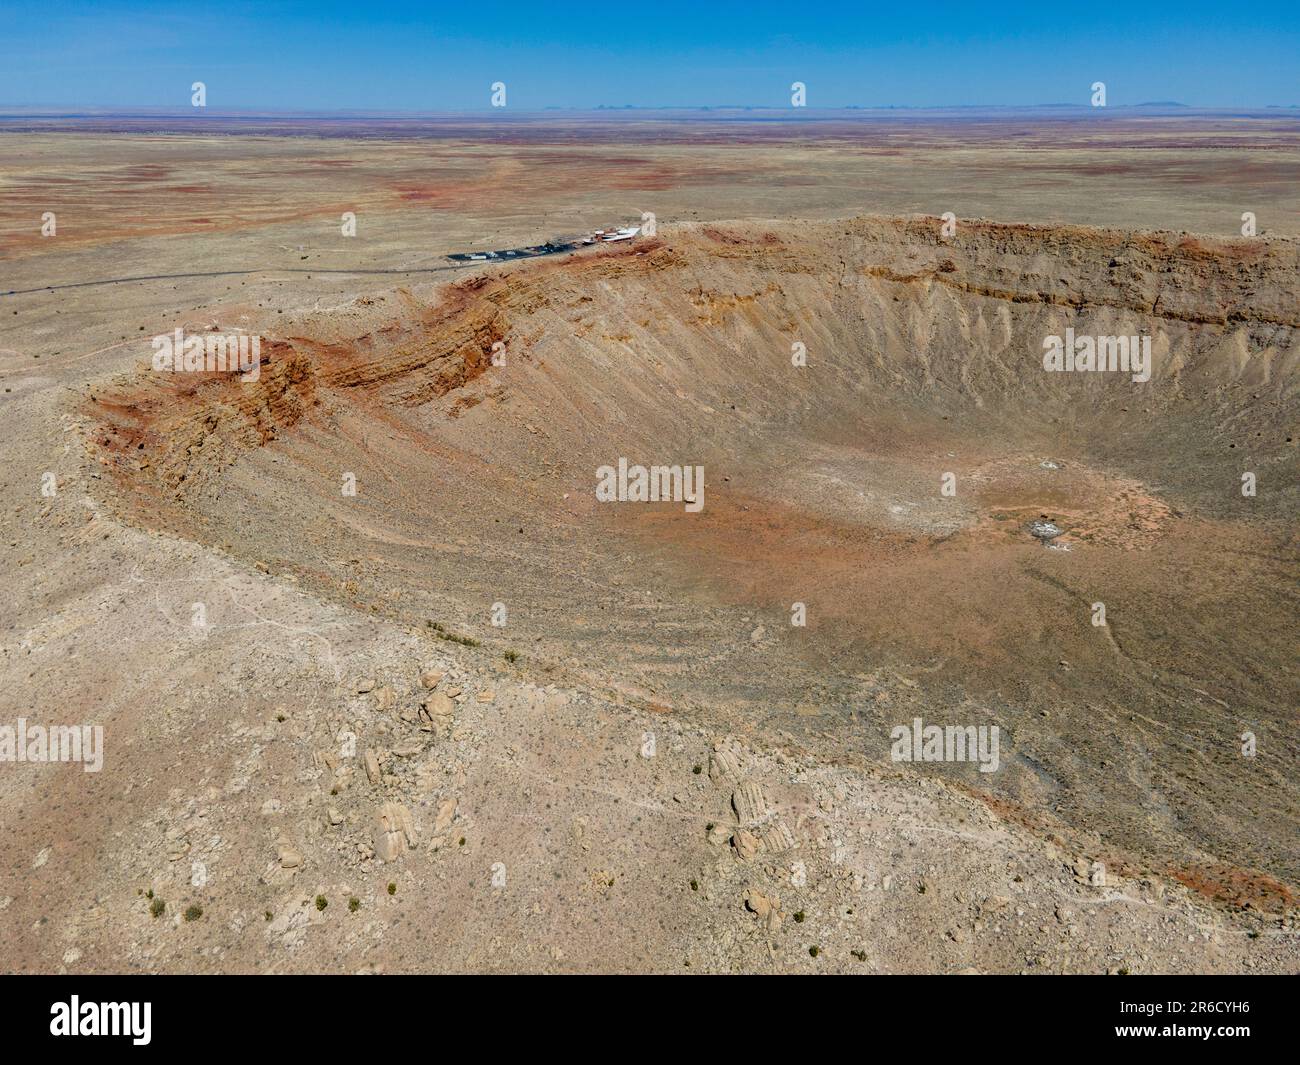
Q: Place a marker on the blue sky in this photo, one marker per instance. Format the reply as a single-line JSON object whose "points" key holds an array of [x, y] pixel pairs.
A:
{"points": [[444, 56]]}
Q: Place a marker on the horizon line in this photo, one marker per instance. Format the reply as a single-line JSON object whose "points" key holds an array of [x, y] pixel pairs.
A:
{"points": [[126, 110]]}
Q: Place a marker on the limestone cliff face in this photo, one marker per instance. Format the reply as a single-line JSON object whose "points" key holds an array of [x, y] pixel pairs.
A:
{"points": [[888, 311]]}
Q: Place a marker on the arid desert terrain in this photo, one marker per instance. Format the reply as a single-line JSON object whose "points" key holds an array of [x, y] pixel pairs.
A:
{"points": [[385, 686]]}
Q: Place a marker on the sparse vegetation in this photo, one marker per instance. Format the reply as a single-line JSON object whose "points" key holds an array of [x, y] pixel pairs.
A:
{"points": [[321, 902], [392, 889], [452, 637], [354, 904], [157, 907], [193, 912]]}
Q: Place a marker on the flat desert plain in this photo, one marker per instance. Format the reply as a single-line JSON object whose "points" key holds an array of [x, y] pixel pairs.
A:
{"points": [[384, 684]]}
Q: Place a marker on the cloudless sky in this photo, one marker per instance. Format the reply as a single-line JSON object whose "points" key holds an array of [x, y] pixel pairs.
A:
{"points": [[444, 56]]}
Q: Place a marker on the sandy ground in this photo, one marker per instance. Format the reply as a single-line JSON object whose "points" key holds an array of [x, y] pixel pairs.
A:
{"points": [[648, 767]]}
